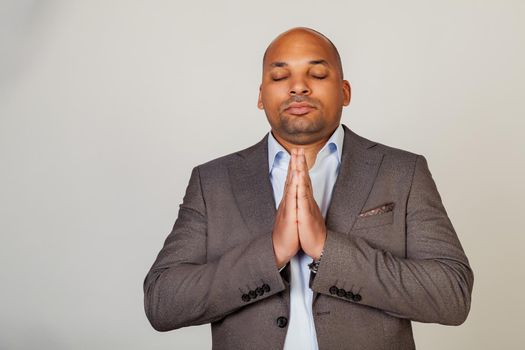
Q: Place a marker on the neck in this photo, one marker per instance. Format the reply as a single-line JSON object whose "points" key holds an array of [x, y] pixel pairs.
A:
{"points": [[310, 150]]}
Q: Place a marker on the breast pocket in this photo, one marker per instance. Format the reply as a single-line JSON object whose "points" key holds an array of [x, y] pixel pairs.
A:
{"points": [[373, 221]]}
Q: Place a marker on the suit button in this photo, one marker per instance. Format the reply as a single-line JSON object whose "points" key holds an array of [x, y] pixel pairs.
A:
{"points": [[252, 294], [333, 290], [341, 292], [266, 288], [259, 291], [246, 298], [349, 295], [357, 297], [282, 322]]}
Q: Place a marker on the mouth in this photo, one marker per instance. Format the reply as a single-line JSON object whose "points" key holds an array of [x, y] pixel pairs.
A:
{"points": [[299, 108]]}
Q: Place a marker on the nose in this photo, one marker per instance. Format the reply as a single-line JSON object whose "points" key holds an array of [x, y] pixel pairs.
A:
{"points": [[299, 87]]}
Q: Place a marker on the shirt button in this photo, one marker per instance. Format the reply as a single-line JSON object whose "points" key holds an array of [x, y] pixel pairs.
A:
{"points": [[259, 291], [282, 321], [266, 288], [333, 290], [246, 298], [341, 292], [349, 295], [357, 297], [252, 294]]}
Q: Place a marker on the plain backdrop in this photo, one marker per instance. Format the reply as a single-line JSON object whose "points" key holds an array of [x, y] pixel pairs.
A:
{"points": [[106, 106]]}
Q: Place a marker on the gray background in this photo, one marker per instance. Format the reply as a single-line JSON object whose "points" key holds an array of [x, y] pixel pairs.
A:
{"points": [[105, 106]]}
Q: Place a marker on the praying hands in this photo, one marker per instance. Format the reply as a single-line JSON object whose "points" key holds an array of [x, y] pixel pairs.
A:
{"points": [[299, 223]]}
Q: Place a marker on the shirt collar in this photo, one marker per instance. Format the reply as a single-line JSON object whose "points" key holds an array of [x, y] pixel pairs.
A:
{"points": [[277, 153]]}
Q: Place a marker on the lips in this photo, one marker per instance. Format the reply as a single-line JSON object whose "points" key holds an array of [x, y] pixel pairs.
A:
{"points": [[299, 108]]}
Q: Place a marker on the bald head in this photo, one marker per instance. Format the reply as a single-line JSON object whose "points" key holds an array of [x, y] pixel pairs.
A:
{"points": [[303, 33]]}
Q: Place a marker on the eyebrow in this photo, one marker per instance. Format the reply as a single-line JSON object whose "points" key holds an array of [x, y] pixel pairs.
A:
{"points": [[284, 64]]}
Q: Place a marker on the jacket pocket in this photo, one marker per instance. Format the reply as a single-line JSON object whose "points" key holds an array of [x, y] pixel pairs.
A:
{"points": [[373, 220]]}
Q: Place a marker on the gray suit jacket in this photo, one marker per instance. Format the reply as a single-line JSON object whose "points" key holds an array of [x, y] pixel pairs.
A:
{"points": [[378, 272]]}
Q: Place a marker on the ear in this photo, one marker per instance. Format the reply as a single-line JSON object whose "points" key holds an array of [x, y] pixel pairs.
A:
{"points": [[259, 100], [347, 92]]}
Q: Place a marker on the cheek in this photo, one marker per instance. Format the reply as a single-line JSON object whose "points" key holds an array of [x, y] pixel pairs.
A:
{"points": [[331, 98], [273, 97]]}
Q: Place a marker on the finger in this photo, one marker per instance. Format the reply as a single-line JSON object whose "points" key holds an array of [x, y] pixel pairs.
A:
{"points": [[291, 195], [304, 167], [288, 183], [293, 159], [288, 174], [303, 195], [309, 184], [291, 168], [293, 162], [296, 192], [282, 208], [301, 160]]}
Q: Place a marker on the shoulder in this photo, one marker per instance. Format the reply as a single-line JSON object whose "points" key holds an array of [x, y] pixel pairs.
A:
{"points": [[397, 155], [387, 150], [396, 163], [236, 159]]}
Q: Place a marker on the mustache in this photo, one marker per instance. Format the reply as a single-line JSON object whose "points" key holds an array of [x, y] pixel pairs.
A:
{"points": [[298, 99]]}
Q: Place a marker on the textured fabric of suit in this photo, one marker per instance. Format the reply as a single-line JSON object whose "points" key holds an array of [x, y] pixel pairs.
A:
{"points": [[405, 264]]}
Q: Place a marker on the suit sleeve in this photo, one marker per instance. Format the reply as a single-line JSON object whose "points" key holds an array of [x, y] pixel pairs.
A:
{"points": [[432, 283], [182, 288]]}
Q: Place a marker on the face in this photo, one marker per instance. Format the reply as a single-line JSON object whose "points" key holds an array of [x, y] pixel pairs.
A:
{"points": [[302, 91]]}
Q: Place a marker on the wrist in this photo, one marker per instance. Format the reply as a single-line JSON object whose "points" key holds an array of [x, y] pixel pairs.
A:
{"points": [[281, 259], [319, 249], [314, 265]]}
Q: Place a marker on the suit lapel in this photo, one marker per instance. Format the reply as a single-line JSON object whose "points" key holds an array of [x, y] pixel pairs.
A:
{"points": [[252, 188], [359, 167]]}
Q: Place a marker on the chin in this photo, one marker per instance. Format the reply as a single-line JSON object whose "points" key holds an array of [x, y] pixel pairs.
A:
{"points": [[303, 137], [302, 125]]}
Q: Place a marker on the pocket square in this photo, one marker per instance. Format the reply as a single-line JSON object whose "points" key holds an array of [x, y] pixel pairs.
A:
{"points": [[385, 208]]}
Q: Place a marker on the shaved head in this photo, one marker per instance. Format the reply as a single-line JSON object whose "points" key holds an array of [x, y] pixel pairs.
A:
{"points": [[312, 32]]}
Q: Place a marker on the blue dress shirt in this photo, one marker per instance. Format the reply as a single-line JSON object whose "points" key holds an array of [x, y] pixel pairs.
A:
{"points": [[301, 332]]}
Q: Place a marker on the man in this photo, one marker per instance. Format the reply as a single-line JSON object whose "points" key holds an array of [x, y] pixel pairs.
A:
{"points": [[315, 237]]}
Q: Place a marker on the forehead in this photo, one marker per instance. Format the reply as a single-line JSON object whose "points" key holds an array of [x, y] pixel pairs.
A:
{"points": [[299, 48]]}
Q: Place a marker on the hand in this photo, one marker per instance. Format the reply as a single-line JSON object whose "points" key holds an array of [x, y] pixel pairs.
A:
{"points": [[311, 224], [285, 235]]}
